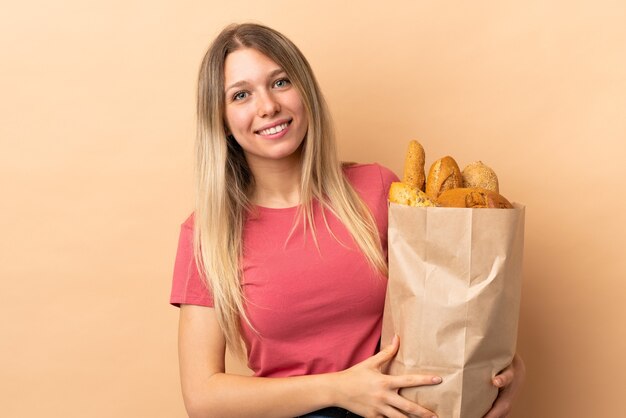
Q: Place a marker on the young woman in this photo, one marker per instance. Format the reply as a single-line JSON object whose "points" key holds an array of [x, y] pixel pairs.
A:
{"points": [[284, 257]]}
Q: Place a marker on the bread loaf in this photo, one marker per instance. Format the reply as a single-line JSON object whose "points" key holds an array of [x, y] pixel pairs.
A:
{"points": [[472, 198], [476, 187], [405, 194], [478, 175], [414, 166], [443, 175]]}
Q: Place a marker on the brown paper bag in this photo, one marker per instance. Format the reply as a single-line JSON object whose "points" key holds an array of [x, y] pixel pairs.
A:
{"points": [[453, 297]]}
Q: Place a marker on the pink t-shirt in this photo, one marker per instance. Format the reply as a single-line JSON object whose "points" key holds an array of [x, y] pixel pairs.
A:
{"points": [[314, 311]]}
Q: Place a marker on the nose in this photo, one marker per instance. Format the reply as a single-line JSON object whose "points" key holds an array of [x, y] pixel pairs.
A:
{"points": [[267, 105]]}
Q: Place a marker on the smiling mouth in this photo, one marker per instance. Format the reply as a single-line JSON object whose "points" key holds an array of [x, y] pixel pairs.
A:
{"points": [[274, 129]]}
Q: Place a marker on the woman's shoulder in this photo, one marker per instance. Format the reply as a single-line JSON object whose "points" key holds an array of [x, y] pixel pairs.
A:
{"points": [[188, 224], [372, 182], [362, 174]]}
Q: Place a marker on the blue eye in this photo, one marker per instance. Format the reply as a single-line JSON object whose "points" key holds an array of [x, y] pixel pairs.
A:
{"points": [[283, 82], [240, 95]]}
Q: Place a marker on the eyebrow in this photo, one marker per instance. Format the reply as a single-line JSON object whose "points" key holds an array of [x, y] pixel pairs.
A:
{"points": [[272, 74]]}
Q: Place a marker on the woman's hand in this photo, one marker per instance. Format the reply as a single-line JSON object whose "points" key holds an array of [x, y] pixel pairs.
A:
{"points": [[365, 390], [508, 381]]}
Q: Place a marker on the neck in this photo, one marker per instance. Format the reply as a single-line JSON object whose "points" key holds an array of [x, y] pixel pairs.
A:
{"points": [[277, 183]]}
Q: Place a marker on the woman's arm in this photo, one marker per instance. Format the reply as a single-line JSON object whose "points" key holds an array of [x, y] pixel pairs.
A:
{"points": [[209, 392], [509, 381]]}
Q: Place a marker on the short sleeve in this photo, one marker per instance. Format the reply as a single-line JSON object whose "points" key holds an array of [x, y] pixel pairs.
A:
{"points": [[387, 177], [188, 286]]}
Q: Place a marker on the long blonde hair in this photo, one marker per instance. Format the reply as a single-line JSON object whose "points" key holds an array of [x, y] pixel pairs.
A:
{"points": [[224, 182]]}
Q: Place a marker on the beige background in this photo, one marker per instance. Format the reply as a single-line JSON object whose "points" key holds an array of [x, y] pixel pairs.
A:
{"points": [[97, 109]]}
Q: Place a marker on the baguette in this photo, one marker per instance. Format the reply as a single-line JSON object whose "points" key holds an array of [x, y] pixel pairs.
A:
{"points": [[414, 166]]}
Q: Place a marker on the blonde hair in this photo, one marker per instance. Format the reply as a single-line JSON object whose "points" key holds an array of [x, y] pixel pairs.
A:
{"points": [[224, 182]]}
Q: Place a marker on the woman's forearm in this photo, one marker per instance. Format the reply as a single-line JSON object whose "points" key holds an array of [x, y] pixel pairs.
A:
{"points": [[226, 395]]}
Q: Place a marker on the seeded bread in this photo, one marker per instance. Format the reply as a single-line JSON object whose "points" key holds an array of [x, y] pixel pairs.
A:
{"points": [[405, 194], [478, 175]]}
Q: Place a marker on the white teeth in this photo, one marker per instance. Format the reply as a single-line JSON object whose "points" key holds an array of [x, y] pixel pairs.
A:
{"points": [[274, 129]]}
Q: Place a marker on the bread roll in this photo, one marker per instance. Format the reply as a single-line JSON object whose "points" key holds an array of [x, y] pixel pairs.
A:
{"points": [[478, 175], [414, 166], [472, 198], [444, 175], [404, 194]]}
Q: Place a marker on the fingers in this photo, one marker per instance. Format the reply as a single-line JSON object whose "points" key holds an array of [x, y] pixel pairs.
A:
{"points": [[504, 378], [502, 406], [389, 403], [386, 353], [397, 403], [509, 382], [514, 372], [404, 381]]}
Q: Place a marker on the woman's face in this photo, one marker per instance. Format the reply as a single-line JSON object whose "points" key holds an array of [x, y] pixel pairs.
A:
{"points": [[264, 111]]}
